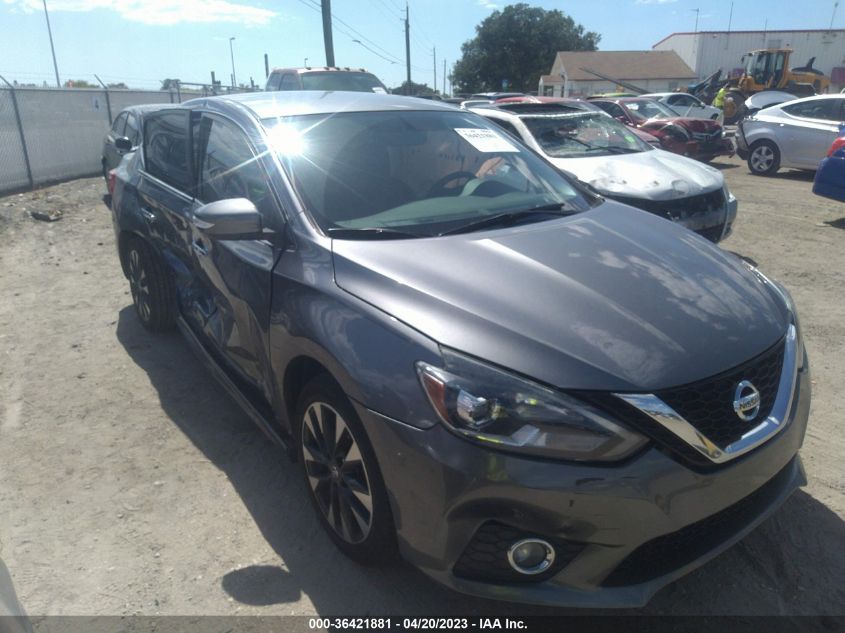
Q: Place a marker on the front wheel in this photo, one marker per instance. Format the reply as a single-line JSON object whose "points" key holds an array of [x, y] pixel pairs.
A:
{"points": [[342, 474], [763, 158]]}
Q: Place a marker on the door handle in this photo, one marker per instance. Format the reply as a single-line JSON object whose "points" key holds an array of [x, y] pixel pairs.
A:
{"points": [[148, 215], [199, 248]]}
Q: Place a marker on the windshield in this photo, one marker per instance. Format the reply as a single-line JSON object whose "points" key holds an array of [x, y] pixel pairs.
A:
{"points": [[341, 80], [582, 133], [648, 109], [421, 172]]}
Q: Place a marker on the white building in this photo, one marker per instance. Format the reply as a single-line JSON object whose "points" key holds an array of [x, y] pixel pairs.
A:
{"points": [[707, 51], [654, 71]]}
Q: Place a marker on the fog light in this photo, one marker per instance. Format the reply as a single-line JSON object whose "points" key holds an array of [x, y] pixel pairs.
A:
{"points": [[531, 556]]}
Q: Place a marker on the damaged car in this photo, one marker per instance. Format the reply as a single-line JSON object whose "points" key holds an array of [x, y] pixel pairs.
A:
{"points": [[609, 156]]}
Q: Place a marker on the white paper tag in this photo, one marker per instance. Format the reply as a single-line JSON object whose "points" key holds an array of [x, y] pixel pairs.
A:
{"points": [[485, 140]]}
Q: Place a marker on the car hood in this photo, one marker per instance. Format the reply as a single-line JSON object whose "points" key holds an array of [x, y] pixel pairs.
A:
{"points": [[610, 299], [691, 124], [768, 98], [653, 175]]}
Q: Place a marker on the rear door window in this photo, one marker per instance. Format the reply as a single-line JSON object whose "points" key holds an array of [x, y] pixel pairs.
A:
{"points": [[815, 109], [166, 148]]}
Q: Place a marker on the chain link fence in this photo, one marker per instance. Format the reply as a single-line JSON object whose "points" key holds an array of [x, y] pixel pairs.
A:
{"points": [[50, 134]]}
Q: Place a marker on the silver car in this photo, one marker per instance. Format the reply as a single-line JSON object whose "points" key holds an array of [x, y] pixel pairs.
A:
{"points": [[607, 155], [796, 134], [687, 105]]}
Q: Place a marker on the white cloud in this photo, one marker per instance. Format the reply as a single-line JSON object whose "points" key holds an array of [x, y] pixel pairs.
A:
{"points": [[487, 4], [159, 12]]}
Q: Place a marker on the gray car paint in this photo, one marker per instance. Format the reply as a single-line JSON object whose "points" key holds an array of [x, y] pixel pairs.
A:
{"points": [[612, 298]]}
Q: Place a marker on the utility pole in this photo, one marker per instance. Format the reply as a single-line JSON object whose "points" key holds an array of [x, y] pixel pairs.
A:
{"points": [[833, 17], [327, 31], [407, 51], [444, 78], [434, 53], [52, 48], [232, 53], [266, 66], [697, 12]]}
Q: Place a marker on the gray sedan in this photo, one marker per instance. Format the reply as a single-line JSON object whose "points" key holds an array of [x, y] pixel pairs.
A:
{"points": [[796, 134]]}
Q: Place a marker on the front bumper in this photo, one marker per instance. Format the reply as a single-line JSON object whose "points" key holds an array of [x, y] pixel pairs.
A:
{"points": [[444, 489], [719, 147]]}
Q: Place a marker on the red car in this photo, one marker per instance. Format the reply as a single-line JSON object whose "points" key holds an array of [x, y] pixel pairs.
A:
{"points": [[643, 135], [698, 138]]}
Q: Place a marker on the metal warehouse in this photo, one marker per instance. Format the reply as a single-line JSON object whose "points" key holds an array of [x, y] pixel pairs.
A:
{"points": [[707, 51]]}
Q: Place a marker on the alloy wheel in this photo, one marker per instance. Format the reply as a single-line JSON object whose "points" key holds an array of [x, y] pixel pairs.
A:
{"points": [[336, 472], [139, 285], [762, 158]]}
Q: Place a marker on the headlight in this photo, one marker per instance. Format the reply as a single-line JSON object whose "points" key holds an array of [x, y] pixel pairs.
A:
{"points": [[784, 296], [504, 411]]}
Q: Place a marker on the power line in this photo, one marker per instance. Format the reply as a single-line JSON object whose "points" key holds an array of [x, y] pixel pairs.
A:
{"points": [[336, 19]]}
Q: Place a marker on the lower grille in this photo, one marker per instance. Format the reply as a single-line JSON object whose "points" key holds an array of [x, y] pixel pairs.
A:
{"points": [[704, 210], [708, 404], [713, 233], [486, 556], [669, 552]]}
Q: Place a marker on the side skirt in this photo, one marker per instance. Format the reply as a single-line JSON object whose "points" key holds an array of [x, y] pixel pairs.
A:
{"points": [[223, 378]]}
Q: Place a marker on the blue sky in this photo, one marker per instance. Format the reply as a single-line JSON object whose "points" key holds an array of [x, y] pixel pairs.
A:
{"points": [[142, 41]]}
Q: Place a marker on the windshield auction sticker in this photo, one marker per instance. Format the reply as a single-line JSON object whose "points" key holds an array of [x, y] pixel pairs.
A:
{"points": [[485, 140]]}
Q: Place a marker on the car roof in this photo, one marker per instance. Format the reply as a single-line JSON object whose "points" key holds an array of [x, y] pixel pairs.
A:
{"points": [[317, 69], [148, 107], [298, 102]]}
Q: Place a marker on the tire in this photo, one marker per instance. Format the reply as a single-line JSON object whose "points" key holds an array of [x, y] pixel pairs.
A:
{"points": [[763, 158], [151, 284], [341, 487]]}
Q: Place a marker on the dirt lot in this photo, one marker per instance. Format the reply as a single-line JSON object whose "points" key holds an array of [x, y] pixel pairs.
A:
{"points": [[130, 484]]}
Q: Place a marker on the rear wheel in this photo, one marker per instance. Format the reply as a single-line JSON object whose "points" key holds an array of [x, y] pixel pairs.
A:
{"points": [[151, 285], [342, 475], [763, 158]]}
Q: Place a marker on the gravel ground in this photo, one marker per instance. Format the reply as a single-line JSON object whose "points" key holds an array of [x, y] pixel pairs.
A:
{"points": [[130, 484]]}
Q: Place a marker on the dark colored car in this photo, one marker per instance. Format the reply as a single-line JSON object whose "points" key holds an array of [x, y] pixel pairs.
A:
{"points": [[701, 139], [324, 78], [534, 394], [830, 176], [124, 135]]}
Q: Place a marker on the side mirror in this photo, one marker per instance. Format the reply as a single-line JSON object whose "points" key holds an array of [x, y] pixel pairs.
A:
{"points": [[123, 144], [232, 219]]}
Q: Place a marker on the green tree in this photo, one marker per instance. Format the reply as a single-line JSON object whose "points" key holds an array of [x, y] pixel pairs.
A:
{"points": [[412, 88], [79, 83], [517, 45], [169, 84]]}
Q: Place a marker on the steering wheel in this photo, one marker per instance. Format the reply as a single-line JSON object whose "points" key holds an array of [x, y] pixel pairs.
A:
{"points": [[439, 188], [228, 184]]}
